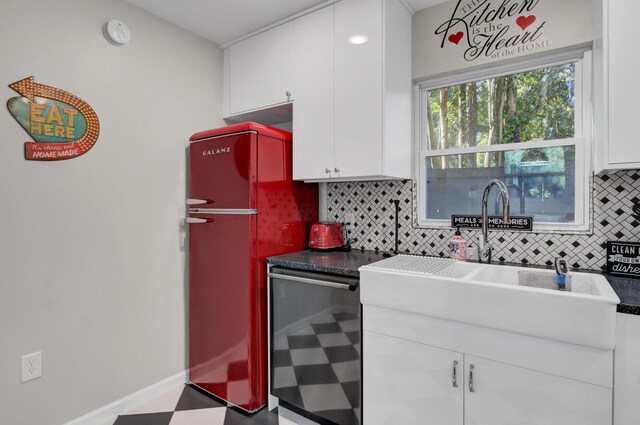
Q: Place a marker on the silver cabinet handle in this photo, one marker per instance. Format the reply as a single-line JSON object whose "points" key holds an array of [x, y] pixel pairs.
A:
{"points": [[454, 375], [336, 169], [194, 220], [471, 390], [327, 170]]}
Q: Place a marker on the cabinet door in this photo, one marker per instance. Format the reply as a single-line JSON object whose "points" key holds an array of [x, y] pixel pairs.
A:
{"points": [[409, 383], [509, 395], [261, 70], [623, 64], [358, 105], [313, 114], [627, 370]]}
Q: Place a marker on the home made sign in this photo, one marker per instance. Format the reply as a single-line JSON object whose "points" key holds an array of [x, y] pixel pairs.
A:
{"points": [[62, 125]]}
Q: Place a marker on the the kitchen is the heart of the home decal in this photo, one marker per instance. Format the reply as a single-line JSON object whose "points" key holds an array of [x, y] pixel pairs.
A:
{"points": [[493, 29]]}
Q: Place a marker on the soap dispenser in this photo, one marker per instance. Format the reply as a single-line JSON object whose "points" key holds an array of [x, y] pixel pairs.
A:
{"points": [[457, 245]]}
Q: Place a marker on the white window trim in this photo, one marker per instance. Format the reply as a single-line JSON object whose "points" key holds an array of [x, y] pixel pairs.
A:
{"points": [[582, 140]]}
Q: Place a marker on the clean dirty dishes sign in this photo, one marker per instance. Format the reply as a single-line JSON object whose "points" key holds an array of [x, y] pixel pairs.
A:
{"points": [[62, 125], [623, 258]]}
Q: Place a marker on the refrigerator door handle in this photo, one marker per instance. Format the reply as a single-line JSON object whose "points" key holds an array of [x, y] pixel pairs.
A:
{"points": [[194, 220], [223, 211], [192, 201]]}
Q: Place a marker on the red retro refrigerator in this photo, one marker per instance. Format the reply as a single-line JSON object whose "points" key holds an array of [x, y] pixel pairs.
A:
{"points": [[243, 208]]}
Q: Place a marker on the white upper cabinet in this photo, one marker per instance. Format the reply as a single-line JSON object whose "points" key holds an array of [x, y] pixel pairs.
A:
{"points": [[359, 88], [313, 112], [356, 124], [351, 102], [259, 71], [615, 89]]}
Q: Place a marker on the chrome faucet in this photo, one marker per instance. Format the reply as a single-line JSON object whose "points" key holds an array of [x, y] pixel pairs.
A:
{"points": [[485, 249]]}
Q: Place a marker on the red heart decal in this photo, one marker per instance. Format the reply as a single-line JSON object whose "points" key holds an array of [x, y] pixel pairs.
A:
{"points": [[524, 21], [455, 38]]}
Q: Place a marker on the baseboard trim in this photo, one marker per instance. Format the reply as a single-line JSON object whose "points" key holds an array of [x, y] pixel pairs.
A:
{"points": [[110, 412]]}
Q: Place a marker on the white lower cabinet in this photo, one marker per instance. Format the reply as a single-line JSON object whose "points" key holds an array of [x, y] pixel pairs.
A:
{"points": [[627, 372], [410, 382], [509, 395]]}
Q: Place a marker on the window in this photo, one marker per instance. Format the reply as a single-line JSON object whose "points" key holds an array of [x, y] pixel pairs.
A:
{"points": [[526, 125]]}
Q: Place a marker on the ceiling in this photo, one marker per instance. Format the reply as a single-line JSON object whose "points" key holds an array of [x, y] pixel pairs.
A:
{"points": [[222, 21]]}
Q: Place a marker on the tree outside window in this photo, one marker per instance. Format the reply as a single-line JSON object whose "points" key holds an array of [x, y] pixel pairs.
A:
{"points": [[519, 128]]}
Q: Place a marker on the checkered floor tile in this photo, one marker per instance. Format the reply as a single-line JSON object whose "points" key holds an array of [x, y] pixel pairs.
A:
{"points": [[317, 367], [188, 406]]}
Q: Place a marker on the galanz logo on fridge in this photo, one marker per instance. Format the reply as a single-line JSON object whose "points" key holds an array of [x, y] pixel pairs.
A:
{"points": [[216, 151]]}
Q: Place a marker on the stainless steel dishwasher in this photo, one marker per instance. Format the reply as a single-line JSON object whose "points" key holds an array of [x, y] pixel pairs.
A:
{"points": [[315, 344]]}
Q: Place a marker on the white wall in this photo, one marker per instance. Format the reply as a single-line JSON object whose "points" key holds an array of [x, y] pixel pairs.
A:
{"points": [[92, 249]]}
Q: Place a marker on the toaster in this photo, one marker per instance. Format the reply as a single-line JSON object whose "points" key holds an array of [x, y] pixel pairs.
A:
{"points": [[326, 235]]}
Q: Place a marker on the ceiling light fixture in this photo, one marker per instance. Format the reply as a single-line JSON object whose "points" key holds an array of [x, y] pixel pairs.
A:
{"points": [[358, 39]]}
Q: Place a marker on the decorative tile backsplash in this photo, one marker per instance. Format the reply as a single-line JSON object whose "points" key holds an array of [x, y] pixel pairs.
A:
{"points": [[615, 215]]}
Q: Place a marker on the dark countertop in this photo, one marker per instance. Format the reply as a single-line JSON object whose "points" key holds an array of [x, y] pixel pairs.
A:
{"points": [[347, 264], [628, 290], [336, 262]]}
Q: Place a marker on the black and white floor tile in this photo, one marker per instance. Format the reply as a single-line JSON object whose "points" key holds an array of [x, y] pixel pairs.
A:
{"points": [[614, 215], [317, 366], [185, 405]]}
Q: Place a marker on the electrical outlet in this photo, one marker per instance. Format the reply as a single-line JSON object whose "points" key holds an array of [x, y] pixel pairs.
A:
{"points": [[349, 218], [31, 366]]}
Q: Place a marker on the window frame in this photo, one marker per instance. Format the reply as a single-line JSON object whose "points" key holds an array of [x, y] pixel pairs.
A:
{"points": [[582, 139]]}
